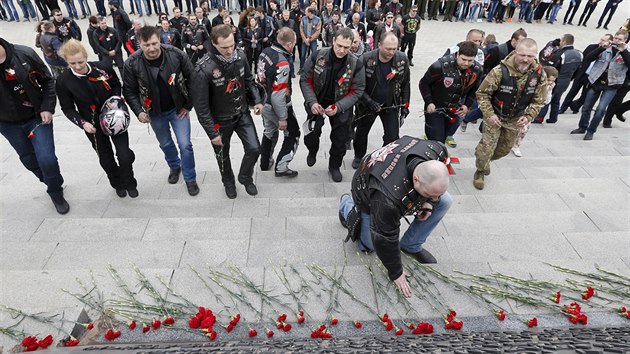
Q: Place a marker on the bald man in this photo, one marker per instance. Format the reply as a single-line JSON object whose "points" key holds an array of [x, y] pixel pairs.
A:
{"points": [[407, 177], [510, 97]]}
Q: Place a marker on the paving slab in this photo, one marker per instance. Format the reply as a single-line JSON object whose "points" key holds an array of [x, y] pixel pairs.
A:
{"points": [[215, 253], [90, 230], [599, 246], [12, 230], [595, 201], [91, 255], [521, 203], [193, 228]]}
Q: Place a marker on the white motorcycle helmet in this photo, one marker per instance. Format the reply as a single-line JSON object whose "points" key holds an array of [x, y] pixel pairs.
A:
{"points": [[114, 117]]}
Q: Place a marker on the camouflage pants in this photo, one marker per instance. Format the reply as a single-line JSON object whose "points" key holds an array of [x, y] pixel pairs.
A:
{"points": [[496, 142]]}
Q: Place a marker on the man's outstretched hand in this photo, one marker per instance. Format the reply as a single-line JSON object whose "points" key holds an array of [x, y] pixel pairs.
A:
{"points": [[403, 285]]}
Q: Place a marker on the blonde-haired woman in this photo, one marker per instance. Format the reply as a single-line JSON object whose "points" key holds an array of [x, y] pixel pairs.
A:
{"points": [[82, 89]]}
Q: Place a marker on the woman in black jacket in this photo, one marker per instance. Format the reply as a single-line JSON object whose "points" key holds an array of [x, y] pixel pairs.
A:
{"points": [[82, 89]]}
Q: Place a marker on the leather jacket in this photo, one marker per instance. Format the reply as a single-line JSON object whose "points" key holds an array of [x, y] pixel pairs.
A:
{"points": [[445, 85], [139, 85], [34, 75], [221, 91], [398, 86], [350, 82]]}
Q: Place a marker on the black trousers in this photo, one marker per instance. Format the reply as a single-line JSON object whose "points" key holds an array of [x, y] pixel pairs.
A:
{"points": [[615, 106], [586, 14], [338, 136], [243, 126], [120, 174], [391, 129], [289, 144], [437, 125], [580, 83], [409, 41], [569, 18], [540, 12]]}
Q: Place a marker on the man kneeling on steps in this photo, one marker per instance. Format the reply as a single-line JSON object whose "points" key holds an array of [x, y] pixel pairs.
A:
{"points": [[404, 178]]}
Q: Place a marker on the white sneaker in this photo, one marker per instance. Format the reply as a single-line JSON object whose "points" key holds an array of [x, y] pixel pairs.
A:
{"points": [[479, 20], [517, 152]]}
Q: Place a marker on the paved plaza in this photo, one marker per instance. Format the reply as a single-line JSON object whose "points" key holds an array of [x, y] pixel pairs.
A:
{"points": [[564, 202]]}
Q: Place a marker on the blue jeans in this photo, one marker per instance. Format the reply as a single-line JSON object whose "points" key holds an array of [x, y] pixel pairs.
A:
{"points": [[161, 125], [492, 10], [37, 154], [85, 8], [304, 52], [72, 9], [416, 234], [100, 7], [555, 8], [10, 8], [543, 112], [27, 8], [592, 95], [524, 11]]}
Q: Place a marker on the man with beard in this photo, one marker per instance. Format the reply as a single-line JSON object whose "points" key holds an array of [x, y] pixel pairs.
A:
{"points": [[448, 88], [510, 97], [194, 39], [274, 69], [156, 89], [332, 82], [222, 88], [387, 92], [387, 26], [411, 25]]}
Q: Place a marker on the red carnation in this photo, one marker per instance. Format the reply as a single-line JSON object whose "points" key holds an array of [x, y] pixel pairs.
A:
{"points": [[286, 327], [111, 334], [300, 320], [169, 321], [229, 327], [30, 343], [411, 326], [457, 325], [385, 317], [282, 317], [145, 328], [279, 325], [208, 321], [300, 313], [588, 293], [46, 342], [453, 313], [334, 321], [269, 333], [399, 331], [357, 324], [31, 135], [212, 335], [532, 323], [622, 309], [389, 325], [500, 103], [156, 324], [217, 126], [194, 323], [72, 342], [500, 315], [252, 332], [93, 107], [147, 102], [132, 325], [89, 326], [556, 297]]}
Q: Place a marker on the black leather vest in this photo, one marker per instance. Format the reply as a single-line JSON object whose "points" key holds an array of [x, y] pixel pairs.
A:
{"points": [[454, 85], [227, 87], [386, 170], [509, 101], [344, 81]]}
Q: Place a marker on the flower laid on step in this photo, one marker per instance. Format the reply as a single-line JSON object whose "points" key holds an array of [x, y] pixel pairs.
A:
{"points": [[588, 293], [145, 328], [169, 321], [72, 342], [357, 324], [532, 322], [282, 317], [212, 335], [111, 334], [574, 312], [286, 327], [556, 297], [87, 326], [334, 321], [31, 343], [500, 315], [132, 325], [156, 324], [451, 322], [252, 332], [321, 332], [269, 332], [398, 331], [423, 328]]}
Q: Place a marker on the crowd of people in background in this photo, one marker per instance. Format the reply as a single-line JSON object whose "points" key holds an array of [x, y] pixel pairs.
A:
{"points": [[354, 65]]}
